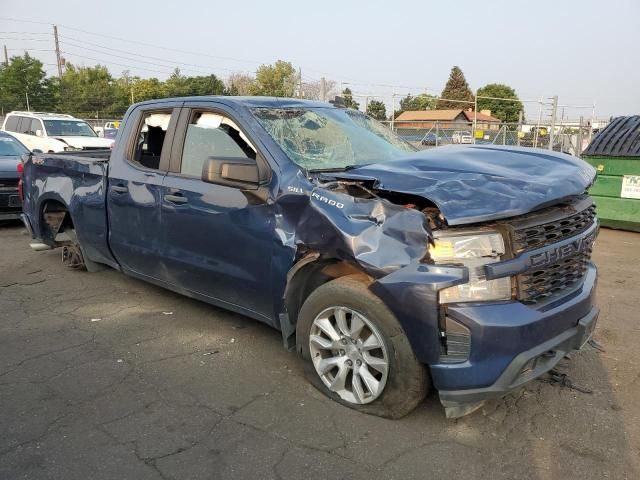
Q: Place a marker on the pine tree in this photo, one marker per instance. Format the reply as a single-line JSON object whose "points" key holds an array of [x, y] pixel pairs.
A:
{"points": [[349, 102], [377, 110], [456, 88]]}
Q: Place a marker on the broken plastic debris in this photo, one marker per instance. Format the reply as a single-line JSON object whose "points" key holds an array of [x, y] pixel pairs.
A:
{"points": [[167, 313], [562, 379], [595, 344], [120, 360], [211, 353], [96, 319], [233, 340]]}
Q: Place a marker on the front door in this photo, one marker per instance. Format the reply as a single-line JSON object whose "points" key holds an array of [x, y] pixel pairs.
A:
{"points": [[134, 194], [217, 238]]}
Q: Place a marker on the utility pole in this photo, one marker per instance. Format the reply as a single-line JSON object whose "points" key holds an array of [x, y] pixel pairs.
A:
{"points": [[519, 128], [299, 82], [475, 115], [323, 89], [554, 111], [578, 150], [6, 57], [55, 37], [393, 110], [26, 94]]}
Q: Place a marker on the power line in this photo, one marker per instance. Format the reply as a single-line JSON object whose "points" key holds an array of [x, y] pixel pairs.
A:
{"points": [[26, 39], [170, 63], [30, 50], [115, 63], [129, 41]]}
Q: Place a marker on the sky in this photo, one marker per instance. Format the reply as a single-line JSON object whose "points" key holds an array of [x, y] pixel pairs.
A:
{"points": [[584, 51]]}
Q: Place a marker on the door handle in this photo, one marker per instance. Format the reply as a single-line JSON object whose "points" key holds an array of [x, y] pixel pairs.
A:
{"points": [[179, 199], [119, 189]]}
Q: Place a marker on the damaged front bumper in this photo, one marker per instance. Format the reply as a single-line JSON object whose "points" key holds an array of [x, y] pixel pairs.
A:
{"points": [[511, 345]]}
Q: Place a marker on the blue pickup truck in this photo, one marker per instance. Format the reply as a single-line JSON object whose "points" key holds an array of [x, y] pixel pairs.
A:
{"points": [[391, 271]]}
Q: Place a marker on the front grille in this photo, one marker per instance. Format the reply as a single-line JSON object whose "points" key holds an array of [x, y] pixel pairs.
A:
{"points": [[534, 236], [547, 227], [553, 280]]}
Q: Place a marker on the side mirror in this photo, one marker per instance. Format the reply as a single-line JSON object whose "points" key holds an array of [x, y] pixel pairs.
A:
{"points": [[36, 150], [232, 171], [38, 133]]}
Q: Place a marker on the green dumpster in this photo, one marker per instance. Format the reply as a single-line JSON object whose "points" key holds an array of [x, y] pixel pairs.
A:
{"points": [[615, 154]]}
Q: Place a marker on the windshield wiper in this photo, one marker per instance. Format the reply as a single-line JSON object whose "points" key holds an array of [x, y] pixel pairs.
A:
{"points": [[337, 169]]}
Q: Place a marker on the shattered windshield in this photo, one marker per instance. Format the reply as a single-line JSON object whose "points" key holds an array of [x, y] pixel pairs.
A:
{"points": [[330, 138]]}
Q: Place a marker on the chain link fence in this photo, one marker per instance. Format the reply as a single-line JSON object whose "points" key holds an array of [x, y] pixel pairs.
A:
{"points": [[571, 138]]}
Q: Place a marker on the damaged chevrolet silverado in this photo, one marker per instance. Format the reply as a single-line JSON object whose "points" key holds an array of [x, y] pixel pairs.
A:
{"points": [[390, 271]]}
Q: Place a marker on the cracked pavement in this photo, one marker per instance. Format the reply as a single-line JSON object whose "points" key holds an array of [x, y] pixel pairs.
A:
{"points": [[106, 377]]}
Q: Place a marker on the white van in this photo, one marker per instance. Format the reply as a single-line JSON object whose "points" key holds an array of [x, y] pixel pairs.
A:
{"points": [[53, 132]]}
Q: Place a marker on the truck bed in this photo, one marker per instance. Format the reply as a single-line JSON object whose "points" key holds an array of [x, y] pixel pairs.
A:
{"points": [[77, 181]]}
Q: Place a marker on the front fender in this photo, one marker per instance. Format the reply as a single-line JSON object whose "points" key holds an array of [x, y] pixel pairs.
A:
{"points": [[411, 293]]}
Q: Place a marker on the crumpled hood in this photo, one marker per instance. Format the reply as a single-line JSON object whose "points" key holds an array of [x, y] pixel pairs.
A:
{"points": [[477, 183], [84, 142], [9, 166]]}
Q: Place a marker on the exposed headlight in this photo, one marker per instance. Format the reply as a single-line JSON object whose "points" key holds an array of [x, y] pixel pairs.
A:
{"points": [[71, 149], [474, 251]]}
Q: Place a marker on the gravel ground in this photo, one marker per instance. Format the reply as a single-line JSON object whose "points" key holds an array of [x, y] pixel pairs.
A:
{"points": [[106, 377]]}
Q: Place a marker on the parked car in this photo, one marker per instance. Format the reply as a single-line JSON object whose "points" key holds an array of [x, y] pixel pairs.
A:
{"points": [[389, 270], [431, 139], [53, 132], [464, 137], [11, 151], [110, 133]]}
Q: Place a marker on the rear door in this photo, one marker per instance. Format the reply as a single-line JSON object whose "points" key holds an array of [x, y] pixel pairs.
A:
{"points": [[19, 127], [217, 238], [134, 195]]}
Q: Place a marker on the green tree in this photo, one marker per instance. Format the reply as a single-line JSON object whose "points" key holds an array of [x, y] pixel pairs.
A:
{"points": [[177, 85], [277, 80], [123, 93], [148, 89], [456, 88], [377, 110], [505, 110], [349, 102], [205, 85], [416, 102], [24, 76], [87, 91]]}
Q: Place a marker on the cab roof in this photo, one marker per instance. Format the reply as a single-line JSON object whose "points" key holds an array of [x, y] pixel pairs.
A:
{"points": [[250, 102]]}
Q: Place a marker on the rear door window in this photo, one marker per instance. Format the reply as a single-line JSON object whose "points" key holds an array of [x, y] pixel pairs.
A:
{"points": [[211, 134], [12, 123], [150, 139], [24, 124]]}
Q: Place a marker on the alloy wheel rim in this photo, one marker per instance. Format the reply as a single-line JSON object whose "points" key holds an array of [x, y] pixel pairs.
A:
{"points": [[349, 354]]}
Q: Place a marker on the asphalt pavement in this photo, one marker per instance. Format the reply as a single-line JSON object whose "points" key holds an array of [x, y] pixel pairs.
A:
{"points": [[106, 377]]}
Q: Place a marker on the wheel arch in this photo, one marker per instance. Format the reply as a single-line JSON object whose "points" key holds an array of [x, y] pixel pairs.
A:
{"points": [[54, 216], [306, 275]]}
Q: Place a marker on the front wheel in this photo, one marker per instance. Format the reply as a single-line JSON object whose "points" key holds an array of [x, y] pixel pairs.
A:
{"points": [[357, 353]]}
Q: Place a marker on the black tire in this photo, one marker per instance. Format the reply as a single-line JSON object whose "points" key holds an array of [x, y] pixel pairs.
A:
{"points": [[408, 380]]}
